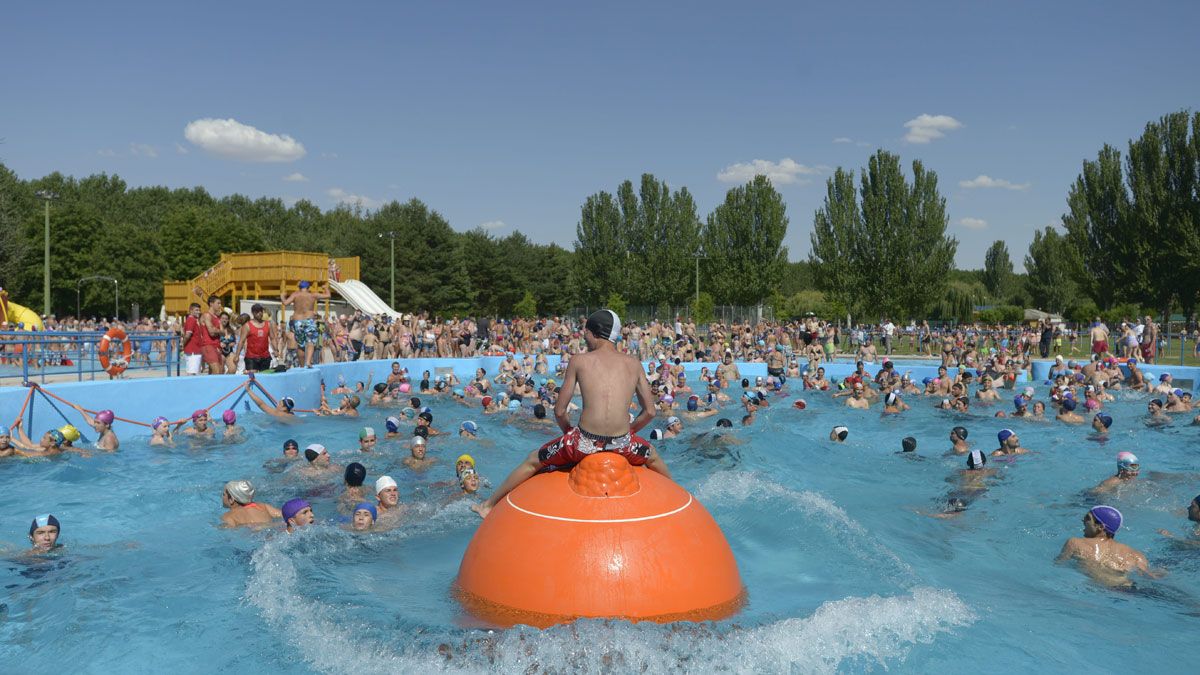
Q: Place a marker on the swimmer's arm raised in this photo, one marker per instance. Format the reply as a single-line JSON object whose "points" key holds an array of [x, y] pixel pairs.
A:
{"points": [[564, 398], [643, 396]]}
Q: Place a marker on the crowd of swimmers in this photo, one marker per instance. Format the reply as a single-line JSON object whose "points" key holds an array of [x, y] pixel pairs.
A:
{"points": [[662, 397]]}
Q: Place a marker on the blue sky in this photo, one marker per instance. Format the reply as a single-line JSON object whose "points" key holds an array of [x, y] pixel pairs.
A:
{"points": [[511, 114]]}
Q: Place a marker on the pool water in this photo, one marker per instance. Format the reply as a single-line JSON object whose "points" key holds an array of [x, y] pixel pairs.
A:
{"points": [[843, 570]]}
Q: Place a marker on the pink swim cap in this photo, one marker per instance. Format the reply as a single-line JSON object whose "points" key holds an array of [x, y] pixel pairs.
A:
{"points": [[1092, 404], [200, 413], [105, 416], [405, 388], [229, 417]]}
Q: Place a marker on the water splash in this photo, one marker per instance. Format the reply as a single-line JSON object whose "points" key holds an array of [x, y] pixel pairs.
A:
{"points": [[741, 486]]}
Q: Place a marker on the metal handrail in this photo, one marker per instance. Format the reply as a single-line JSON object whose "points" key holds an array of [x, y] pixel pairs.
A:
{"points": [[39, 351]]}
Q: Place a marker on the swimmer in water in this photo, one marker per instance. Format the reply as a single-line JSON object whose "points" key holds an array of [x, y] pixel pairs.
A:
{"points": [[468, 482], [283, 409], [102, 423], [607, 380], [469, 430], [232, 433], [43, 534], [1127, 471], [1193, 514], [857, 399], [750, 403], [1102, 558], [971, 486], [958, 441], [291, 449], [908, 447], [892, 404], [417, 461], [425, 419], [380, 395], [297, 513], [353, 477], [6, 447], [50, 444], [462, 463], [674, 427], [200, 426], [1101, 422], [1067, 414], [319, 462], [160, 432], [392, 424], [367, 439], [839, 434], [387, 497], [364, 517], [242, 510], [1155, 416], [1009, 444]]}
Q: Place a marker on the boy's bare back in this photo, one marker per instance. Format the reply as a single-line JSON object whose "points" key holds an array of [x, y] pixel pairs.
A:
{"points": [[607, 381]]}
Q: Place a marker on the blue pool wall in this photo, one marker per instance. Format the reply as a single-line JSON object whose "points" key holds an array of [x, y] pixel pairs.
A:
{"points": [[176, 397]]}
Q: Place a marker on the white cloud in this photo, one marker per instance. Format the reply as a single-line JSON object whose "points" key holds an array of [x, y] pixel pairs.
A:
{"points": [[925, 128], [180, 149], [106, 152], [342, 197], [843, 139], [784, 172], [493, 225], [233, 140], [973, 223], [296, 177], [143, 150], [982, 181]]}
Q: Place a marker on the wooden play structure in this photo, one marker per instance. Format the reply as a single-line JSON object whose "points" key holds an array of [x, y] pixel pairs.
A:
{"points": [[242, 276]]}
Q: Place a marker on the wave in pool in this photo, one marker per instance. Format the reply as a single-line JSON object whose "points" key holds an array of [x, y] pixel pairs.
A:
{"points": [[861, 631]]}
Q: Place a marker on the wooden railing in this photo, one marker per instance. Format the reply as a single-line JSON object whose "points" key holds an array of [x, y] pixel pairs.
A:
{"points": [[255, 275]]}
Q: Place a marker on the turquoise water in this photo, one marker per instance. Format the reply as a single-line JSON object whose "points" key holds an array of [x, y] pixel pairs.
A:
{"points": [[844, 572]]}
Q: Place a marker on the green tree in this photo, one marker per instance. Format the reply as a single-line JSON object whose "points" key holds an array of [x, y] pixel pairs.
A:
{"points": [[703, 308], [1050, 266], [600, 249], [1099, 228], [617, 304], [997, 270], [743, 239], [526, 308], [890, 255]]}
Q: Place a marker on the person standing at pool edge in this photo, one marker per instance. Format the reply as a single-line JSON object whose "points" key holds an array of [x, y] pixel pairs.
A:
{"points": [[304, 322], [607, 380]]}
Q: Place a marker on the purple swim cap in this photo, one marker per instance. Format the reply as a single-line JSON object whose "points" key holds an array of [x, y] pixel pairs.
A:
{"points": [[105, 416], [229, 417], [1108, 517], [1004, 435], [292, 507]]}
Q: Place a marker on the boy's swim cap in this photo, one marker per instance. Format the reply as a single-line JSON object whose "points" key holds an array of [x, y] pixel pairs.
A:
{"points": [[656, 434], [1105, 419], [470, 427], [380, 388], [291, 443], [960, 432], [465, 458], [724, 422], [367, 432], [199, 413], [288, 402], [672, 420], [799, 404], [909, 444], [44, 520], [604, 324], [57, 436], [1108, 517], [514, 405], [292, 507], [1004, 435], [242, 491], [383, 483], [369, 507], [105, 416], [1068, 404], [1019, 401], [313, 451], [841, 432], [69, 432], [355, 474], [693, 404], [1126, 459], [229, 417], [158, 422], [459, 392], [976, 460]]}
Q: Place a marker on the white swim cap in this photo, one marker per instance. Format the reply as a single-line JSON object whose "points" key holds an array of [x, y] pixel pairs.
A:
{"points": [[384, 483], [242, 491]]}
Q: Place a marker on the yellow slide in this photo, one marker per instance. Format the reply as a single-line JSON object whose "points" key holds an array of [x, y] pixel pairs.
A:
{"points": [[14, 314]]}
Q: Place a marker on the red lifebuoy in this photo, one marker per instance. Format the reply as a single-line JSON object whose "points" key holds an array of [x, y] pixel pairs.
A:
{"points": [[118, 365]]}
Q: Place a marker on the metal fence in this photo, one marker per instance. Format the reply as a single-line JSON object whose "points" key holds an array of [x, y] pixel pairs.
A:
{"points": [[726, 314], [45, 356]]}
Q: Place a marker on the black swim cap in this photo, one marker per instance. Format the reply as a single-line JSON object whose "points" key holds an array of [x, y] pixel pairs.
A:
{"points": [[291, 443], [355, 474], [724, 422], [539, 411], [604, 324], [423, 432], [909, 444], [415, 402], [427, 416], [380, 388], [960, 432], [424, 384]]}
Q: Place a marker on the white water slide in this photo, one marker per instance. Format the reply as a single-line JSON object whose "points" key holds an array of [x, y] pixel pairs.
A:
{"points": [[362, 298]]}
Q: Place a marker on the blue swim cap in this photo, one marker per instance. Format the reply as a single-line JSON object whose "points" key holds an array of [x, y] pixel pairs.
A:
{"points": [[1163, 377], [926, 380], [692, 404], [44, 520], [288, 402], [1177, 392], [57, 437], [1019, 401], [392, 424], [1068, 404], [4, 431], [368, 506], [1108, 517], [470, 427], [514, 405], [1004, 435], [459, 392], [1105, 419], [1131, 361], [304, 284]]}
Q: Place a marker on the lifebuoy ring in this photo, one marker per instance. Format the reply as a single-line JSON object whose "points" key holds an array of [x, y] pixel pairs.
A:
{"points": [[118, 365]]}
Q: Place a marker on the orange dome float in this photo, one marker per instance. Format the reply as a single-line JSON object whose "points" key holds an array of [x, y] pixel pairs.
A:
{"points": [[605, 540]]}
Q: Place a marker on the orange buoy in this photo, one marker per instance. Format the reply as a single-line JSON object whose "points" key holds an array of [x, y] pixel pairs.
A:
{"points": [[605, 540], [118, 365]]}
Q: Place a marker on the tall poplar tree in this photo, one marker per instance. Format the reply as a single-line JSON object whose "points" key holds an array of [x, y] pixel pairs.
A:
{"points": [[998, 271], [743, 240]]}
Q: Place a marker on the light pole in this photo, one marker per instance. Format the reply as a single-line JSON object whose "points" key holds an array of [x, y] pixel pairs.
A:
{"points": [[116, 295], [47, 196], [392, 235]]}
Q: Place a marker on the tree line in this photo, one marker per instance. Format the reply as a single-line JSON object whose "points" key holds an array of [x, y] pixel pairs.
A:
{"points": [[1129, 241]]}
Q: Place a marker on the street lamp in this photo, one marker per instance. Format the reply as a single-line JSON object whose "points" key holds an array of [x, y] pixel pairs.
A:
{"points": [[47, 196], [392, 235], [116, 295]]}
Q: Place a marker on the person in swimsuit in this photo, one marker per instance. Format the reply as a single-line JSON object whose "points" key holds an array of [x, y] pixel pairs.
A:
{"points": [[238, 499], [609, 380], [43, 533], [1102, 558], [304, 319]]}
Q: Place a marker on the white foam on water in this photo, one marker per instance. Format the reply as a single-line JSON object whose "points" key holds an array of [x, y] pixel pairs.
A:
{"points": [[742, 486], [850, 632]]}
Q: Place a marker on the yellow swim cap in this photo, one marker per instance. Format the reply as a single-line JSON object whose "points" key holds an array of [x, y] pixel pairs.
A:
{"points": [[465, 458], [69, 432]]}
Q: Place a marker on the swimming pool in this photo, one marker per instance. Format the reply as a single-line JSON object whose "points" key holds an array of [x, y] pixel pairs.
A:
{"points": [[843, 572]]}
